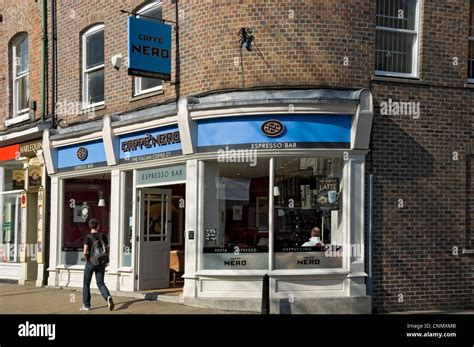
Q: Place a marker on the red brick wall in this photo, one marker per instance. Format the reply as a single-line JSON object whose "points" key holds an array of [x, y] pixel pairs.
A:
{"points": [[19, 16]]}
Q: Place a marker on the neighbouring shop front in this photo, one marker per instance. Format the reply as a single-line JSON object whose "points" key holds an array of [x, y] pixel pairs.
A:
{"points": [[22, 200], [218, 192]]}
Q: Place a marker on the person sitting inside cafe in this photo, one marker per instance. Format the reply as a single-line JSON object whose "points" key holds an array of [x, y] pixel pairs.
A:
{"points": [[315, 239]]}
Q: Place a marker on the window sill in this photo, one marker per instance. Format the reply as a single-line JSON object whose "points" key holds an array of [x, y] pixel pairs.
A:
{"points": [[17, 119], [469, 84], [412, 80], [147, 95], [273, 273], [468, 252], [93, 108], [125, 269]]}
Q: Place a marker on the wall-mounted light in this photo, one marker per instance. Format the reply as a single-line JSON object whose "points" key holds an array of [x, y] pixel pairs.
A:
{"points": [[101, 200], [276, 191]]}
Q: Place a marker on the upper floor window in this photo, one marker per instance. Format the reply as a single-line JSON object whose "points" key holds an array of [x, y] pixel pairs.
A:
{"points": [[93, 66], [397, 39], [470, 59], [153, 12], [20, 75]]}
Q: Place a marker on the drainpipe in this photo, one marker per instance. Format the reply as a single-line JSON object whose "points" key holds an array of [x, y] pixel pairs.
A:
{"points": [[44, 59], [370, 286]]}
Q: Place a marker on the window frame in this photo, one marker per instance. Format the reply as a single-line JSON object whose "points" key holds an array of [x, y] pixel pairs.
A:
{"points": [[15, 79], [85, 72], [202, 270], [470, 46], [415, 48], [137, 81]]}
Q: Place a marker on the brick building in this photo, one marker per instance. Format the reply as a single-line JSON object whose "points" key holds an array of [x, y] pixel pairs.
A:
{"points": [[22, 173], [366, 91]]}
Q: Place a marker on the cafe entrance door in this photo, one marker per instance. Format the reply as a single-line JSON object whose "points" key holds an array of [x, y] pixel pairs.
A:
{"points": [[154, 234]]}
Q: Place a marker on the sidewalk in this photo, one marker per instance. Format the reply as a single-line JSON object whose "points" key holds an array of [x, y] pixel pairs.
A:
{"points": [[28, 299]]}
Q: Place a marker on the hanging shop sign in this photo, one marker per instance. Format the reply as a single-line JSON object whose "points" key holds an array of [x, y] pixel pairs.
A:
{"points": [[35, 174], [328, 194], [149, 145], [275, 132], [82, 156], [18, 179], [29, 149], [149, 49], [161, 175]]}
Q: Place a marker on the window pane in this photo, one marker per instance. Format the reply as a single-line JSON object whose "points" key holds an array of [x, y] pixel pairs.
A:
{"points": [[22, 90], [399, 14], [470, 62], [394, 51], [143, 82], [85, 193], [95, 83], [236, 215], [21, 58], [10, 238], [155, 12], [148, 83], [95, 49], [308, 213], [472, 20]]}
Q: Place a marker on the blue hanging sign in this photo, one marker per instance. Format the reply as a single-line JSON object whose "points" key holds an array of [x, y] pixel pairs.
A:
{"points": [[149, 49]]}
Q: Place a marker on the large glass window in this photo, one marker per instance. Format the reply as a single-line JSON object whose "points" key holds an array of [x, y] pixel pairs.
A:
{"points": [[20, 75], [84, 199], [308, 213], [154, 12], [10, 211], [127, 231], [308, 228], [396, 51], [236, 215], [470, 61], [93, 66]]}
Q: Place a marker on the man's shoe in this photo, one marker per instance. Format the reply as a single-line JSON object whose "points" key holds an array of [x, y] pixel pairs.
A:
{"points": [[83, 308], [110, 301]]}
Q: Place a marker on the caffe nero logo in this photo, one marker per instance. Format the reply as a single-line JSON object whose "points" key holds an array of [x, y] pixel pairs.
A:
{"points": [[82, 153], [273, 128]]}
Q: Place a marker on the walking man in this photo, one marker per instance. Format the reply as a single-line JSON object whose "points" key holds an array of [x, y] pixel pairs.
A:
{"points": [[96, 247]]}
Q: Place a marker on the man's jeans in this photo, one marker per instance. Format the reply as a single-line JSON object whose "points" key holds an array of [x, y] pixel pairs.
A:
{"points": [[99, 276]]}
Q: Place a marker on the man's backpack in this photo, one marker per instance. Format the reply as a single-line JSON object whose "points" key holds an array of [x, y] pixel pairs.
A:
{"points": [[99, 254]]}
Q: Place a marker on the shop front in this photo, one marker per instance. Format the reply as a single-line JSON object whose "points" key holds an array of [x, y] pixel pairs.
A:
{"points": [[218, 192], [22, 199]]}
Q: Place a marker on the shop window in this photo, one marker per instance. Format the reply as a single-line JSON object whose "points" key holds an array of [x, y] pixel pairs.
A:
{"points": [[20, 68], [236, 204], [154, 12], [10, 209], [127, 231], [308, 229], [93, 66], [397, 31], [470, 61], [84, 198]]}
